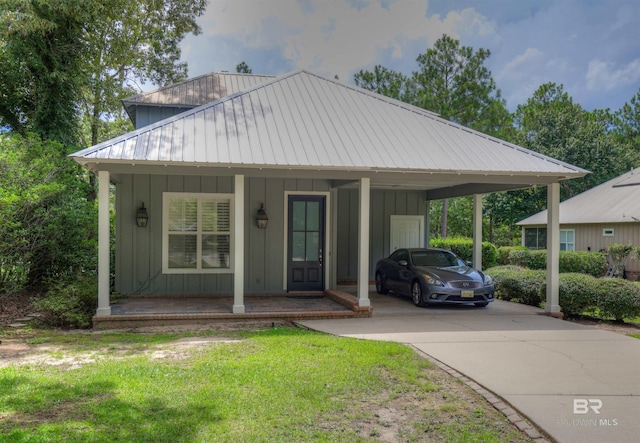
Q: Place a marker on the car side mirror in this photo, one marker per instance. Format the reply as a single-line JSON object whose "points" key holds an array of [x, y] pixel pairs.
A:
{"points": [[403, 263]]}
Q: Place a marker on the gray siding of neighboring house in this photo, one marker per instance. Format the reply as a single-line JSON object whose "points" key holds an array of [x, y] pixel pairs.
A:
{"points": [[590, 237], [146, 115], [139, 250], [384, 204]]}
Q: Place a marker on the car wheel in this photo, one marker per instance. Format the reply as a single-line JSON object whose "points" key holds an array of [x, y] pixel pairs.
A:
{"points": [[481, 304], [380, 289], [416, 294]]}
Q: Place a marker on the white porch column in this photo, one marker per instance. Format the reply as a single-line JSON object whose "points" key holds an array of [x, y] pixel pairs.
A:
{"points": [[363, 243], [104, 306], [477, 231], [238, 248], [553, 249]]}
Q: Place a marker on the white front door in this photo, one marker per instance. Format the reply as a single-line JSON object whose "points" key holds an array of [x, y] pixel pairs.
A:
{"points": [[407, 231]]}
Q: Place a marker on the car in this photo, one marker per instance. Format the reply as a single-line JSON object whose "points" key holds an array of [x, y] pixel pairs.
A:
{"points": [[433, 276]]}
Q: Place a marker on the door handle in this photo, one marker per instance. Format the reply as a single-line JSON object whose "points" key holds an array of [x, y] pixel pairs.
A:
{"points": [[320, 257]]}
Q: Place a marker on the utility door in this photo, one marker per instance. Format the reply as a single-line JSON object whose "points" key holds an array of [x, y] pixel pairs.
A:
{"points": [[306, 239], [407, 231]]}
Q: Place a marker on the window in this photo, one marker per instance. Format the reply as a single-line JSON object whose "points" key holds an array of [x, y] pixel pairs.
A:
{"points": [[196, 233], [567, 240], [607, 232], [535, 238]]}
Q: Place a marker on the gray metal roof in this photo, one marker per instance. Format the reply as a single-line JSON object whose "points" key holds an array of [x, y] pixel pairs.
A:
{"points": [[302, 121], [195, 91], [615, 201]]}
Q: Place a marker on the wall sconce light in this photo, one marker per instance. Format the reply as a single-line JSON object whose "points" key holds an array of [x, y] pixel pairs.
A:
{"points": [[262, 217], [141, 216]]}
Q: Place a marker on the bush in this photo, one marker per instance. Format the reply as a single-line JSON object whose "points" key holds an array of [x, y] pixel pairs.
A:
{"points": [[463, 247], [521, 285], [498, 273], [504, 251], [577, 293], [591, 263], [69, 305], [618, 299]]}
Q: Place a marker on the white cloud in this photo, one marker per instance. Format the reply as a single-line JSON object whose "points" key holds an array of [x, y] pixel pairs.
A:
{"points": [[604, 76], [337, 36]]}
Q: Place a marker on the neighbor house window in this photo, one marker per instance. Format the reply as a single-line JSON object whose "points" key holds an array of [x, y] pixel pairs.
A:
{"points": [[607, 232], [567, 240], [196, 233], [535, 238]]}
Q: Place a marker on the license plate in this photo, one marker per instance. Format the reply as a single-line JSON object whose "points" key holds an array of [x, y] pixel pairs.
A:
{"points": [[466, 294]]}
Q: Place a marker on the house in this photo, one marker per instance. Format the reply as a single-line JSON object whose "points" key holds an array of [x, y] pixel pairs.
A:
{"points": [[591, 221], [340, 175]]}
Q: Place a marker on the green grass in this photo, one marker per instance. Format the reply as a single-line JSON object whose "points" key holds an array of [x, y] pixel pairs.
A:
{"points": [[281, 385]]}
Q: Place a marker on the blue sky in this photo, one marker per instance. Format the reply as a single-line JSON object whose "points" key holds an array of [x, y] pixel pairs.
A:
{"points": [[592, 47]]}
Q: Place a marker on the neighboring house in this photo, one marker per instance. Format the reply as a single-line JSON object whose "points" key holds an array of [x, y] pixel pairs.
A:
{"points": [[591, 221], [343, 175]]}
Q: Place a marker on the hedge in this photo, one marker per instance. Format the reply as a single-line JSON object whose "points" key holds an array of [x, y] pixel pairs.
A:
{"points": [[591, 263], [504, 251], [463, 248], [578, 293]]}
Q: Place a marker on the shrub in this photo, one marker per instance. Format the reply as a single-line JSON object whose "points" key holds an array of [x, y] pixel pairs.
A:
{"points": [[69, 305], [498, 273], [522, 285], [504, 251], [463, 247], [591, 263], [618, 299], [619, 254], [577, 293]]}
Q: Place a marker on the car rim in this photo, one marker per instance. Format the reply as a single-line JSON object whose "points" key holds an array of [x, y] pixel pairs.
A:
{"points": [[417, 294]]}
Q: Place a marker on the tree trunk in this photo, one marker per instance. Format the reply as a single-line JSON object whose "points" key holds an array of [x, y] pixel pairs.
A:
{"points": [[445, 208]]}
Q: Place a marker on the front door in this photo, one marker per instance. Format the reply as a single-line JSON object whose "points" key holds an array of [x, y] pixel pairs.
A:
{"points": [[305, 261]]}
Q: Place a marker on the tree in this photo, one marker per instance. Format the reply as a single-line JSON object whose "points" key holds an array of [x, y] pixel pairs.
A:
{"points": [[453, 81], [627, 127], [386, 82], [132, 43], [63, 58], [243, 68], [41, 54]]}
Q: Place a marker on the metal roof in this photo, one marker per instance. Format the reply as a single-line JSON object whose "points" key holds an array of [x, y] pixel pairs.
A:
{"points": [[615, 201], [302, 121], [195, 91]]}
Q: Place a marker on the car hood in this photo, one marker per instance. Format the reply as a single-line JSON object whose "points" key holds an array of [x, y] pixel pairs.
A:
{"points": [[452, 273]]}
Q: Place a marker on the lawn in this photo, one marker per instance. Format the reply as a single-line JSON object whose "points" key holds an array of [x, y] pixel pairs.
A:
{"points": [[277, 385]]}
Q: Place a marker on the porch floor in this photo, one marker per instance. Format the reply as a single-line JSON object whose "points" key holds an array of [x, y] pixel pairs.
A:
{"points": [[137, 311]]}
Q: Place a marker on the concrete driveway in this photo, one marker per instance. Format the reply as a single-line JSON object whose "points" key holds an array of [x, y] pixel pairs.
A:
{"points": [[576, 383]]}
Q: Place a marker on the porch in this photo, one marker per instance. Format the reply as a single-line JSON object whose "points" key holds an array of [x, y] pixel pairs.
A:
{"points": [[214, 309]]}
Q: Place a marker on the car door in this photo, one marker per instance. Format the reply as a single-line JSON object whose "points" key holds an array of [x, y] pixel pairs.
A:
{"points": [[405, 275], [395, 273]]}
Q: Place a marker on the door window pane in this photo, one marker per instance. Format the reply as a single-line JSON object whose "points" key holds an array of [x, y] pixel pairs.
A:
{"points": [[313, 211], [299, 216], [298, 246], [313, 249]]}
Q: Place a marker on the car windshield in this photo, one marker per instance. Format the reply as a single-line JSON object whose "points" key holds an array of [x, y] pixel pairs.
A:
{"points": [[435, 258]]}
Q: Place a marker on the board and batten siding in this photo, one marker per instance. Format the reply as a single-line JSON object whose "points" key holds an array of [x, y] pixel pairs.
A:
{"points": [[146, 115], [384, 204], [138, 267]]}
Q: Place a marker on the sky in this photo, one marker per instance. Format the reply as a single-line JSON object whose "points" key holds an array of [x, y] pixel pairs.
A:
{"points": [[591, 47]]}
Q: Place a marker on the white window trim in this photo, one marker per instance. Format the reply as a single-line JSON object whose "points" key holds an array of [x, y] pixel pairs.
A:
{"points": [[608, 232], [573, 243], [165, 233]]}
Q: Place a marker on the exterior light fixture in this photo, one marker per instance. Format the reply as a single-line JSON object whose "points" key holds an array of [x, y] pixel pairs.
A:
{"points": [[262, 217], [142, 217]]}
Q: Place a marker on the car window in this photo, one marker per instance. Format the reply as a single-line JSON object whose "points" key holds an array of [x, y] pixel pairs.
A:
{"points": [[400, 254], [435, 258]]}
